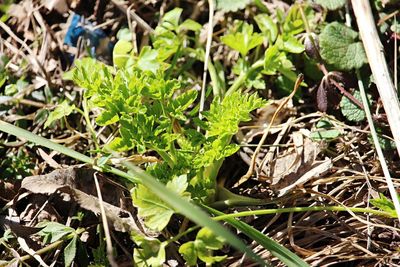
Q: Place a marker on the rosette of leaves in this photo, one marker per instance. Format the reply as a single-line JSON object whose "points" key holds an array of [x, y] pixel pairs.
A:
{"points": [[152, 114]]}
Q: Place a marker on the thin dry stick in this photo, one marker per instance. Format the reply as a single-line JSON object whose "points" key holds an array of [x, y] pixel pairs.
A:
{"points": [[376, 58], [249, 173], [395, 55], [206, 56], [374, 50], [110, 255], [141, 23]]}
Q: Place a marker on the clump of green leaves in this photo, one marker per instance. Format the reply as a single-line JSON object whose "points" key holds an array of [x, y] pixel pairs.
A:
{"points": [[54, 231], [202, 248], [16, 165], [279, 35], [153, 114]]}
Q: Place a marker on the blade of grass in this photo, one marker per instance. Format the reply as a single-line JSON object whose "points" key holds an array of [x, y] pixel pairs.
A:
{"points": [[181, 206], [38, 140], [279, 251]]}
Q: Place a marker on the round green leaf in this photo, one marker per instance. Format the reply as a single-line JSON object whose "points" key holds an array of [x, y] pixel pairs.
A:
{"points": [[340, 48]]}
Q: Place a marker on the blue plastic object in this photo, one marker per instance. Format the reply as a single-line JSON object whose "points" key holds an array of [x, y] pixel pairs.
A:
{"points": [[97, 40]]}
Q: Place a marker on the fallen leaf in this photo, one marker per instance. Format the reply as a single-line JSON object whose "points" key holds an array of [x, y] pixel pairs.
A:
{"points": [[297, 165], [76, 184]]}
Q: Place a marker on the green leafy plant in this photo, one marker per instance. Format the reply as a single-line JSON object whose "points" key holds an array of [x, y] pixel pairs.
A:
{"points": [[145, 106], [151, 109], [281, 37], [184, 207], [202, 248], [54, 231]]}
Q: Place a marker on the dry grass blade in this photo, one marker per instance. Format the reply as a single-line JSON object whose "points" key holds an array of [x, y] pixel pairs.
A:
{"points": [[376, 58], [206, 56], [104, 221]]}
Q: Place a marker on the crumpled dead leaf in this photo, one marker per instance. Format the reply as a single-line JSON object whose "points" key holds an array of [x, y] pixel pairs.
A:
{"points": [[76, 184], [297, 166]]}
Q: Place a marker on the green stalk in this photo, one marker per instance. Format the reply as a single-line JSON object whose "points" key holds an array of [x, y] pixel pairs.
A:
{"points": [[244, 75], [89, 124], [226, 199], [217, 90], [164, 155], [302, 209]]}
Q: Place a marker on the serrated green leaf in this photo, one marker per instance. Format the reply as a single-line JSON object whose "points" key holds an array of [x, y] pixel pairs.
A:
{"points": [[340, 48], [189, 253], [206, 242], [107, 117], [206, 255], [210, 240], [189, 25], [267, 26], [62, 110], [350, 110], [150, 253], [291, 44], [331, 4], [54, 231], [70, 251], [232, 5], [293, 23], [121, 53], [223, 117], [272, 60], [155, 211], [171, 18], [148, 60], [244, 39]]}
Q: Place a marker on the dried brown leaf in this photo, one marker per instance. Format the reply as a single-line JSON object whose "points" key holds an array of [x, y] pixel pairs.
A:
{"points": [[68, 181]]}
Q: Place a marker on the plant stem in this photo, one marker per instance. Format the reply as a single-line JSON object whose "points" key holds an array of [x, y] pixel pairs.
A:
{"points": [[302, 209], [85, 114], [244, 75], [180, 235]]}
